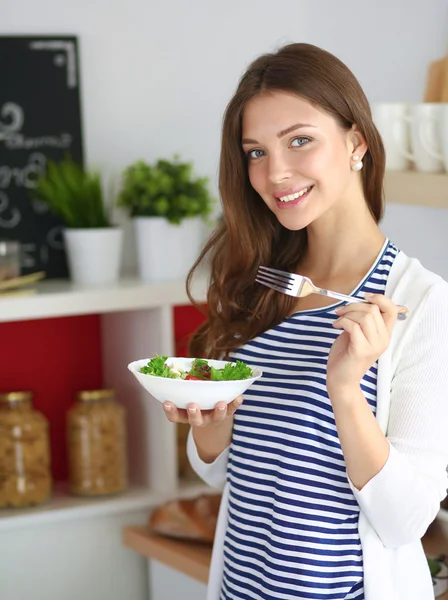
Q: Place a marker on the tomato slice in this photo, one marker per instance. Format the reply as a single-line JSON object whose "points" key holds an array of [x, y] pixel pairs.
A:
{"points": [[192, 377]]}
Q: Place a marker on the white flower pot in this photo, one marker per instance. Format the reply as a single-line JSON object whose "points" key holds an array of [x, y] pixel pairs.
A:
{"points": [[166, 252], [94, 254]]}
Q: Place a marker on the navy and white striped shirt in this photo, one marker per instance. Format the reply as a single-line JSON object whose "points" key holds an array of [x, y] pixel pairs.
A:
{"points": [[292, 529]]}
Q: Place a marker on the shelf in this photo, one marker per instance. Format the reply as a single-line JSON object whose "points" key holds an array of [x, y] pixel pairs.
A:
{"points": [[64, 507], [194, 559], [417, 189], [190, 558], [61, 298]]}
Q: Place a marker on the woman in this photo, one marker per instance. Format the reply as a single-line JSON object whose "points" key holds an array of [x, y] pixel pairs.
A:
{"points": [[334, 465]]}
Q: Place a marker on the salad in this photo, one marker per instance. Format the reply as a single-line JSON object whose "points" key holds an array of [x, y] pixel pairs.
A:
{"points": [[200, 370]]}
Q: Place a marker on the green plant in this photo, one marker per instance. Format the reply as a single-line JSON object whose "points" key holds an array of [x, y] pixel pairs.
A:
{"points": [[165, 189], [72, 193], [434, 566]]}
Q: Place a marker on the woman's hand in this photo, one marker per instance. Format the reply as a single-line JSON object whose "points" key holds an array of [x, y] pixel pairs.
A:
{"points": [[198, 418], [212, 429], [367, 333]]}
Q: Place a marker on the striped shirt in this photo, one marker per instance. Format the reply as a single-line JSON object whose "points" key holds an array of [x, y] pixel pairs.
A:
{"points": [[292, 530]]}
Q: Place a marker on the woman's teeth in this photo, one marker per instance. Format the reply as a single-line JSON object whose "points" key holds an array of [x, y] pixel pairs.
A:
{"points": [[291, 197]]}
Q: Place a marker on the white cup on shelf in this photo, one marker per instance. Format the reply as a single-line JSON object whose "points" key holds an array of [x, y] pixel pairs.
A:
{"points": [[444, 135], [392, 121], [426, 138]]}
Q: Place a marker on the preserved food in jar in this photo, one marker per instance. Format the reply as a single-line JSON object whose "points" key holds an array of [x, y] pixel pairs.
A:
{"points": [[96, 437], [25, 476]]}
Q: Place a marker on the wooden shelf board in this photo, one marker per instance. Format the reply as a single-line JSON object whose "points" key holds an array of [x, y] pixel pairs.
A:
{"points": [[417, 189], [190, 558], [194, 559]]}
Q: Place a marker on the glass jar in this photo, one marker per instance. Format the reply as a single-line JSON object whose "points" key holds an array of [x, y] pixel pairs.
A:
{"points": [[96, 436], [25, 476], [9, 259]]}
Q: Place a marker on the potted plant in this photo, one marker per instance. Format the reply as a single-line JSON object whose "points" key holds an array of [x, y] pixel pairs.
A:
{"points": [[439, 573], [93, 244], [168, 205]]}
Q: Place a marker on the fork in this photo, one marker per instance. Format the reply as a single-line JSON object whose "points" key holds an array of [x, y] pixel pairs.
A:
{"points": [[300, 286]]}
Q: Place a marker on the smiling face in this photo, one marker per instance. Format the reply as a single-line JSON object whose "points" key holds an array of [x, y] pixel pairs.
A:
{"points": [[298, 158]]}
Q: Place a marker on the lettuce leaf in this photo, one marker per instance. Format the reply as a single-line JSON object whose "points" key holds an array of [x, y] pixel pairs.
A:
{"points": [[231, 372], [199, 368], [157, 366]]}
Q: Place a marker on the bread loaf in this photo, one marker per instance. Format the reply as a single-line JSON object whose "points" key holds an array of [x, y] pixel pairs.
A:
{"points": [[189, 519]]}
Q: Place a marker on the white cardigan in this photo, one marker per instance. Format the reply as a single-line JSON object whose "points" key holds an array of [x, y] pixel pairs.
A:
{"points": [[400, 502]]}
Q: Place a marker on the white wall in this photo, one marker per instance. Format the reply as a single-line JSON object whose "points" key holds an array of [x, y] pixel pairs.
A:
{"points": [[156, 75], [419, 231]]}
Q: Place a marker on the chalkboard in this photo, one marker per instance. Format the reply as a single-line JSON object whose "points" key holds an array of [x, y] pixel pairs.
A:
{"points": [[40, 120]]}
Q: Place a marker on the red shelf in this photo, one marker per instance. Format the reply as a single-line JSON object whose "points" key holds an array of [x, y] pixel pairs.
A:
{"points": [[55, 358]]}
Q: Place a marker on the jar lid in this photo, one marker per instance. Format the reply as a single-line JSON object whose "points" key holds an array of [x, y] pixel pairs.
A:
{"points": [[16, 396], [92, 395], [8, 246]]}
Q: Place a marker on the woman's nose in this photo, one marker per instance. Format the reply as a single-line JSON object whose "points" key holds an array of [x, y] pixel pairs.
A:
{"points": [[279, 169]]}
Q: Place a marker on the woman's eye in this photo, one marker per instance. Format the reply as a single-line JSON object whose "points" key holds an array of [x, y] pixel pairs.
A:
{"points": [[300, 141], [255, 154]]}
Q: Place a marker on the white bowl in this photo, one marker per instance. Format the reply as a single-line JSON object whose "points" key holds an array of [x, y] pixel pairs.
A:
{"points": [[181, 392]]}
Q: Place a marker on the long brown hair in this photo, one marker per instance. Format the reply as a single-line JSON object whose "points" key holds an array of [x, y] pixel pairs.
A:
{"points": [[249, 234]]}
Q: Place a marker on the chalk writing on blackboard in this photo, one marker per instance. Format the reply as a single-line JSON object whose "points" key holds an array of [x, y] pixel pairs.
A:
{"points": [[40, 120]]}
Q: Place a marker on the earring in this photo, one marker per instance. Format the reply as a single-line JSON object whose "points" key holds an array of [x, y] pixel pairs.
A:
{"points": [[358, 163]]}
